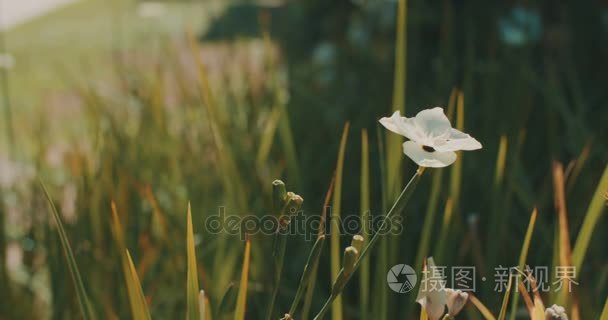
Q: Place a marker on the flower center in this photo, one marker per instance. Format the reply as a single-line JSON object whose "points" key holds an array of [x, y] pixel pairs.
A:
{"points": [[428, 149]]}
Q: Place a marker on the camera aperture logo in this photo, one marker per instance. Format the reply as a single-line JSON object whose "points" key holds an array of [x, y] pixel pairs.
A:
{"points": [[401, 278]]}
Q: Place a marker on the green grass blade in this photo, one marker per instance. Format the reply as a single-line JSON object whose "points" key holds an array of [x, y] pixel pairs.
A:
{"points": [[192, 289], [505, 300], [501, 159], [313, 259], [227, 304], [594, 212], [241, 300], [83, 300], [445, 227], [226, 160], [522, 259], [364, 287], [336, 309], [394, 156], [267, 136], [315, 267], [289, 146], [456, 172], [429, 220]]}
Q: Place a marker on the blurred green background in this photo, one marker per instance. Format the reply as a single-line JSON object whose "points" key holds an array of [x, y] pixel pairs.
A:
{"points": [[154, 105]]}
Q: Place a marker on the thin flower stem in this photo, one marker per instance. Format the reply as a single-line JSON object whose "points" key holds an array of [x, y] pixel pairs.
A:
{"points": [[313, 258], [397, 206], [279, 258]]}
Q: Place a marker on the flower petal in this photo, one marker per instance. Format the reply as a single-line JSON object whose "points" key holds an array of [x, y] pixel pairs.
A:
{"points": [[428, 159], [458, 140], [456, 299], [432, 295], [433, 122], [403, 126]]}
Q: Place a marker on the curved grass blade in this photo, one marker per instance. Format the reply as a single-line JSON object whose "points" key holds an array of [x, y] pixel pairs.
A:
{"points": [[139, 307], [336, 310], [313, 258], [565, 249], [604, 314], [505, 300], [522, 259], [83, 300], [192, 289], [228, 302], [315, 266], [241, 300], [481, 307], [594, 212]]}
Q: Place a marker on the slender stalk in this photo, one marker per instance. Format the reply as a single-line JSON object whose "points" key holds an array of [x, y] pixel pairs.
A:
{"points": [[397, 207], [279, 256], [313, 258]]}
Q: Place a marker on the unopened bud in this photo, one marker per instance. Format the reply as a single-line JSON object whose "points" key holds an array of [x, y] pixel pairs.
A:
{"points": [[350, 256], [357, 242], [279, 195], [293, 204], [556, 312], [456, 300]]}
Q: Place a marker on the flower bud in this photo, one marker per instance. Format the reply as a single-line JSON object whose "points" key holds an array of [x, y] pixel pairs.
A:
{"points": [[357, 242], [350, 256], [279, 195], [293, 204], [556, 312], [456, 300]]}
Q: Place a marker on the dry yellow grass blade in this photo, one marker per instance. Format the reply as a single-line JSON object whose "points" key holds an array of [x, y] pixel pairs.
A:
{"points": [[487, 314], [526, 296], [565, 251], [241, 300], [604, 315], [192, 289], [139, 307], [205, 307], [423, 315]]}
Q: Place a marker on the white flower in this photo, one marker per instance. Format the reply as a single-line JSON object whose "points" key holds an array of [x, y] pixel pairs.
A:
{"points": [[433, 141], [432, 295], [556, 312]]}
